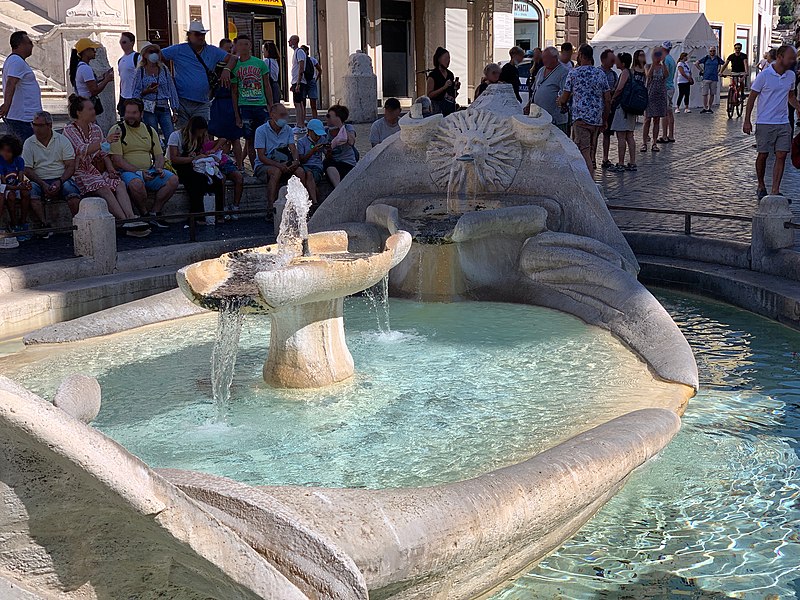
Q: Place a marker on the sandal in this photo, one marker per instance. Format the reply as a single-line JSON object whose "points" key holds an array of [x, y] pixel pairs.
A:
{"points": [[631, 167], [662, 140], [618, 168], [655, 148], [607, 164], [671, 140], [644, 147]]}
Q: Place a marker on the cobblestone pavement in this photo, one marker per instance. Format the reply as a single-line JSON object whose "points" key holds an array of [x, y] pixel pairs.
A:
{"points": [[710, 168]]}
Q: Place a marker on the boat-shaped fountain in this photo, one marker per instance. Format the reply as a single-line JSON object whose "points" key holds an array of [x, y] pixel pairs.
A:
{"points": [[485, 204]]}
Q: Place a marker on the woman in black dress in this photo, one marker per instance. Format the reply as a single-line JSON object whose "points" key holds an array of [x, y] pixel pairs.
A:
{"points": [[443, 86]]}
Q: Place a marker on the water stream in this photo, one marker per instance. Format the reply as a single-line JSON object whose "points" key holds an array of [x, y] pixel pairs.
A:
{"points": [[294, 227], [378, 298]]}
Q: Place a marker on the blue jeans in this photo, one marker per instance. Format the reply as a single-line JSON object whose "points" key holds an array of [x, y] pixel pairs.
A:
{"points": [[21, 129], [160, 119], [68, 190]]}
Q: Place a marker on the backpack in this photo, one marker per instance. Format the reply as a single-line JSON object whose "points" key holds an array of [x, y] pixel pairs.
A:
{"points": [[633, 99], [123, 131], [309, 70]]}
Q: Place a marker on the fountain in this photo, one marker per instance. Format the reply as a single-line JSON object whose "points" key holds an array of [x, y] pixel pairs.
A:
{"points": [[486, 204], [301, 283]]}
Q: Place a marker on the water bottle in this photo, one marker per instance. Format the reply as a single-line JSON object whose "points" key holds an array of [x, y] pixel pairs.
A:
{"points": [[209, 204]]}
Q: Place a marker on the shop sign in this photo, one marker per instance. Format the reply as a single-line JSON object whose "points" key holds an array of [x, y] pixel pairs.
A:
{"points": [[264, 3], [523, 10]]}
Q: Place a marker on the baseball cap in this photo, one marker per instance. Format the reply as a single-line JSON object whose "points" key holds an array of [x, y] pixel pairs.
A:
{"points": [[316, 126], [84, 44], [667, 45]]}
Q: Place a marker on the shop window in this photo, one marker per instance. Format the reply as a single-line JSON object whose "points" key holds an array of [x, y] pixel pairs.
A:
{"points": [[195, 13], [627, 10], [743, 38]]}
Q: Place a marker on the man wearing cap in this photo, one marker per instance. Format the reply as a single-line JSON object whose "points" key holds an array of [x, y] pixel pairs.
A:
{"points": [[194, 62], [311, 149]]}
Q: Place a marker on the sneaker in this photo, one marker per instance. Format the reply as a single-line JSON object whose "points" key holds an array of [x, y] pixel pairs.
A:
{"points": [[631, 167], [155, 219], [677, 111], [710, 111], [22, 238], [44, 236], [704, 111], [8, 243], [761, 194], [607, 164], [234, 216], [686, 111], [136, 229]]}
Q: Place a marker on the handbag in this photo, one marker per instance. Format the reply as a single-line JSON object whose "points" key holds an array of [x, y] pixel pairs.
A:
{"points": [[212, 76], [796, 151]]}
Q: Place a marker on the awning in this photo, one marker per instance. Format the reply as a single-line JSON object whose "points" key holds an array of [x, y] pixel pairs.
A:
{"points": [[264, 3]]}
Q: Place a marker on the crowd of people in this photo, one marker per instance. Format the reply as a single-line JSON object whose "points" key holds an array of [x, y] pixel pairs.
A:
{"points": [[201, 115], [192, 114]]}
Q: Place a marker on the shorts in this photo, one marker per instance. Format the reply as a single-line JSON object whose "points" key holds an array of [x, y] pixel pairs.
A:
{"points": [[313, 90], [252, 117], [773, 138], [153, 185], [21, 129], [68, 190], [709, 87], [585, 137], [342, 167], [228, 167], [670, 96], [301, 93], [316, 171]]}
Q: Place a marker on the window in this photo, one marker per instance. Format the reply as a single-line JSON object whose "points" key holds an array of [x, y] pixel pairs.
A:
{"points": [[627, 10], [743, 38], [195, 13], [718, 32]]}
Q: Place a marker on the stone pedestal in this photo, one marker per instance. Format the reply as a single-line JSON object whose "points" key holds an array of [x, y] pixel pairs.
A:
{"points": [[96, 236], [769, 232], [360, 89], [307, 347]]}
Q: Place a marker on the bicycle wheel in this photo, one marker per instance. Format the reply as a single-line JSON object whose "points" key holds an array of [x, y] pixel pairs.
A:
{"points": [[731, 102], [740, 105]]}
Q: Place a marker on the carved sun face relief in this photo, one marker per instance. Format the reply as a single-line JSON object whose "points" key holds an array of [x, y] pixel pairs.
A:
{"points": [[488, 139]]}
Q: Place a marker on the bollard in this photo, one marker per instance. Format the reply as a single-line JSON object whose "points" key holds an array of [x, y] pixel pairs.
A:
{"points": [[769, 233], [96, 234], [360, 89], [280, 204]]}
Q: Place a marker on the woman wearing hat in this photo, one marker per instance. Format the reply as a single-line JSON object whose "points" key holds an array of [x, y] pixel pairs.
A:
{"points": [[81, 74]]}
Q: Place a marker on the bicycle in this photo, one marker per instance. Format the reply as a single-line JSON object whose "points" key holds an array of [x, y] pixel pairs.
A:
{"points": [[736, 94]]}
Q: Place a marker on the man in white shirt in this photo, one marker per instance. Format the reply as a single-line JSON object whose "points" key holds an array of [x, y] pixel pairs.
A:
{"points": [[388, 124], [126, 67], [22, 98], [299, 87], [773, 88]]}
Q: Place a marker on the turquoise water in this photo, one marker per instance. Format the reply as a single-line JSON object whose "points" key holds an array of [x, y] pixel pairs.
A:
{"points": [[717, 515], [454, 390]]}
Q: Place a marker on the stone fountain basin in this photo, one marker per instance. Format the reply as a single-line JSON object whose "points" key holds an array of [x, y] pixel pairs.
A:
{"points": [[260, 280]]}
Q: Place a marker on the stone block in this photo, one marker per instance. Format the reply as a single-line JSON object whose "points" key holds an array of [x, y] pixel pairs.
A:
{"points": [[769, 232], [360, 89], [96, 236]]}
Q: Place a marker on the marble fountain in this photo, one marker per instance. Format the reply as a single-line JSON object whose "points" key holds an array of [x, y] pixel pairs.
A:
{"points": [[485, 205]]}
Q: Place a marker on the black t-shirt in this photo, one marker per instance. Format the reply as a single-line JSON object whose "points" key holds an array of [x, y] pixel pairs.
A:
{"points": [[509, 74], [737, 62], [439, 81]]}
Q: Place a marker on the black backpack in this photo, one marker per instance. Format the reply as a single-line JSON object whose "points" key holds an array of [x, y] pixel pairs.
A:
{"points": [[308, 70], [633, 99], [123, 132]]}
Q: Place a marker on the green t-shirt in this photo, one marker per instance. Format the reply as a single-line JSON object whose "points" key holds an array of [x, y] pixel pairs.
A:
{"points": [[248, 75]]}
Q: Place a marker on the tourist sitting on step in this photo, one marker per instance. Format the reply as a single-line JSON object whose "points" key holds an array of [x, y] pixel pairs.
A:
{"points": [[138, 157], [276, 153], [49, 164], [312, 149], [15, 190], [341, 157], [388, 124]]}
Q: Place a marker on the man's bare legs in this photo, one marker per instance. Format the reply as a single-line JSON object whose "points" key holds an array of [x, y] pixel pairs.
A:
{"points": [[761, 169], [777, 172]]}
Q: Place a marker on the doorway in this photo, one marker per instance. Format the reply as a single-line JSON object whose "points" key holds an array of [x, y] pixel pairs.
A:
{"points": [[575, 29], [396, 47], [158, 19]]}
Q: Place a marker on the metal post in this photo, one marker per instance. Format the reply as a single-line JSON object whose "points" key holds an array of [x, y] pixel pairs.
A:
{"points": [[192, 229], [687, 224]]}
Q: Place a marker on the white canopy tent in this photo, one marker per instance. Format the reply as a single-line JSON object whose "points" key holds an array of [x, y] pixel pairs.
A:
{"points": [[688, 32]]}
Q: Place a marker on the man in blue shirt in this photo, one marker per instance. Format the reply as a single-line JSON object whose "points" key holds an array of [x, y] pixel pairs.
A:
{"points": [[276, 154], [194, 62], [710, 65]]}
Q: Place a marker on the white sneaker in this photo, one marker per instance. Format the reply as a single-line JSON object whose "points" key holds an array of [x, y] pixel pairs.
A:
{"points": [[8, 243], [677, 110], [687, 111]]}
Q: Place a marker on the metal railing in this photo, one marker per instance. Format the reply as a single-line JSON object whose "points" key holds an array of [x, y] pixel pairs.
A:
{"points": [[40, 231], [193, 217], [686, 214]]}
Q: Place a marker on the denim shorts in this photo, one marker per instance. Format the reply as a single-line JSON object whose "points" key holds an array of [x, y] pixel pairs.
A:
{"points": [[313, 90], [228, 167], [68, 190], [153, 185], [316, 171], [253, 117]]}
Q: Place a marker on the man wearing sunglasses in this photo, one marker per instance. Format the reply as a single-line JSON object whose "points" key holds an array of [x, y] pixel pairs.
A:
{"points": [[196, 80]]}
